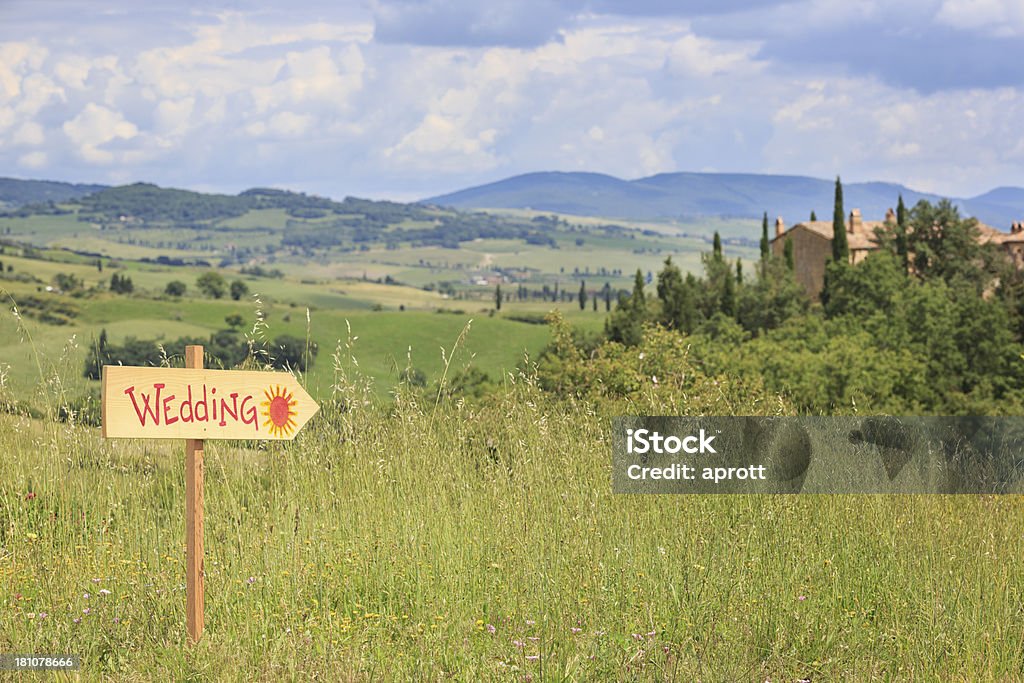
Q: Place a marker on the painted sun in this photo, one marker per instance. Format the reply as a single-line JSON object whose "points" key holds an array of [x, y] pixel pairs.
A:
{"points": [[278, 411]]}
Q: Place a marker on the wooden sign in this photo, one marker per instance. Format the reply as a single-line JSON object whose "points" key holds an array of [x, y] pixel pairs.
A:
{"points": [[196, 404], [175, 403]]}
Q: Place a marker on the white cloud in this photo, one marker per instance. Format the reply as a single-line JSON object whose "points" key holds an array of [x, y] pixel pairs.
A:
{"points": [[33, 160], [235, 99], [1004, 18], [94, 126], [29, 133], [702, 57], [174, 116], [73, 71]]}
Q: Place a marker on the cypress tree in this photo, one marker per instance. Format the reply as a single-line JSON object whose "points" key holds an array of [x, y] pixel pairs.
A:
{"points": [[594, 301], [787, 253], [739, 271], [840, 244], [716, 246], [814, 216], [638, 301], [901, 233], [583, 295], [497, 297], [764, 237], [729, 297]]}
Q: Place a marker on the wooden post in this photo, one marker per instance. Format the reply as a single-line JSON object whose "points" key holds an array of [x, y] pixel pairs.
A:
{"points": [[194, 571]]}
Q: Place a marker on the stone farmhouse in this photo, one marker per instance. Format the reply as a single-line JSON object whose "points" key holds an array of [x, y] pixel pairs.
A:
{"points": [[812, 244]]}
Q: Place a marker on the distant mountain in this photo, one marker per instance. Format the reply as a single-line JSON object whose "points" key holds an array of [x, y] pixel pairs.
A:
{"points": [[695, 195], [15, 193]]}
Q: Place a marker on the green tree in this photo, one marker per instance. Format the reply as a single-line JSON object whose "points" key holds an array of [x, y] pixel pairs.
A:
{"points": [[678, 308], [625, 324], [773, 298], [716, 245], [840, 243], [864, 289], [637, 301], [582, 296], [764, 237], [946, 246], [238, 289], [787, 254], [212, 284], [497, 297], [292, 353], [175, 288], [814, 217], [901, 233], [728, 301]]}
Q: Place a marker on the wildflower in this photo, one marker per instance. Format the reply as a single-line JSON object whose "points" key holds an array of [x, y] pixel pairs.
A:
{"points": [[532, 658], [43, 615], [86, 596], [801, 598], [651, 634], [30, 495], [251, 580], [30, 536], [85, 611], [654, 379], [96, 580], [117, 620], [104, 591], [532, 639], [77, 620], [491, 628], [518, 643], [530, 622], [31, 615], [574, 630]]}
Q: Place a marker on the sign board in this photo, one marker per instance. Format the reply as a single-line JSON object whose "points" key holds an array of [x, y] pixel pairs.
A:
{"points": [[176, 403], [197, 404]]}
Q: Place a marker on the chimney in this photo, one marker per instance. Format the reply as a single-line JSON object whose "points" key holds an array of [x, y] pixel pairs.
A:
{"points": [[780, 227], [890, 215], [855, 224]]}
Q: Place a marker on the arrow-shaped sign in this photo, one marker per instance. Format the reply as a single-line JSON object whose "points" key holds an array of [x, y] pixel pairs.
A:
{"points": [[174, 403]]}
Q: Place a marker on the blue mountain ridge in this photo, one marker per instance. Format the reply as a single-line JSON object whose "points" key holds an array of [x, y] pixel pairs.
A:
{"points": [[688, 195]]}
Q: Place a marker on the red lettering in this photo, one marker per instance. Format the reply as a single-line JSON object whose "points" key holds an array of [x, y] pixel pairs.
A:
{"points": [[249, 414], [168, 420], [146, 409]]}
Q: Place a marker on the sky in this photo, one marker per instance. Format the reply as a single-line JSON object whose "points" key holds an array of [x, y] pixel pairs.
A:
{"points": [[406, 99]]}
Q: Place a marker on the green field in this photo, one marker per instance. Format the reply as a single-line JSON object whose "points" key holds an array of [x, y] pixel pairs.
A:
{"points": [[423, 541]]}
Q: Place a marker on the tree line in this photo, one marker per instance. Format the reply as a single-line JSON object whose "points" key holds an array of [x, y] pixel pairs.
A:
{"points": [[930, 322]]}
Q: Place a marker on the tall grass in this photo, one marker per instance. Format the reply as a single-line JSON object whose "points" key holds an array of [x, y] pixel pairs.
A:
{"points": [[428, 538]]}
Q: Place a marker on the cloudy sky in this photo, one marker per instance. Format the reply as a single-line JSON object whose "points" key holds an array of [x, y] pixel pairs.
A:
{"points": [[408, 98]]}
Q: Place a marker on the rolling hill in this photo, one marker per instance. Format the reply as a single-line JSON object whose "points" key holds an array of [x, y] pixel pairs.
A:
{"points": [[15, 192], [696, 195]]}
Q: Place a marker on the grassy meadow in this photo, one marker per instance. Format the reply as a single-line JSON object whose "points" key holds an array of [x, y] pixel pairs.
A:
{"points": [[420, 539], [409, 535]]}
